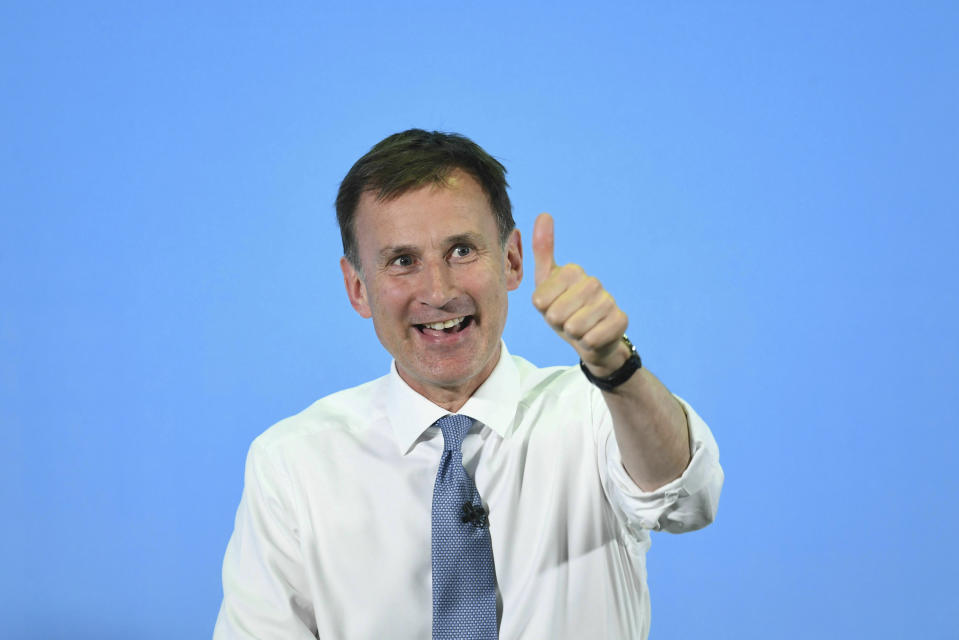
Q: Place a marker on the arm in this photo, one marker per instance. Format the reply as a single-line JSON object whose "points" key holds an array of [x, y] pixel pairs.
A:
{"points": [[264, 585], [650, 425]]}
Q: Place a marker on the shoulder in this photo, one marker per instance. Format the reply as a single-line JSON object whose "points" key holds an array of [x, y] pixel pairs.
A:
{"points": [[343, 412], [536, 382]]}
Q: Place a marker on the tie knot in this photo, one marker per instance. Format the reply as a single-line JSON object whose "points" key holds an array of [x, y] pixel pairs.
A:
{"points": [[454, 428]]}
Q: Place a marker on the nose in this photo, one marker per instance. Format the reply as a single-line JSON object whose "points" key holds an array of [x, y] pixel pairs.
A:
{"points": [[438, 287]]}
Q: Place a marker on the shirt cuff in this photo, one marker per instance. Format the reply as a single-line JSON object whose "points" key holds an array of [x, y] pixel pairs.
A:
{"points": [[687, 503]]}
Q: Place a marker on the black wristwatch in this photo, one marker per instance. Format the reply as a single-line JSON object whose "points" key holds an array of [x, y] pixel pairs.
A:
{"points": [[621, 375]]}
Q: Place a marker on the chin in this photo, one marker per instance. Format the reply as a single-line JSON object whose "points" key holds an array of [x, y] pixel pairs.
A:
{"points": [[449, 379]]}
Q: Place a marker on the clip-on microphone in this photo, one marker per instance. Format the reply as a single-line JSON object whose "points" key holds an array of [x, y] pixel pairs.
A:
{"points": [[475, 515]]}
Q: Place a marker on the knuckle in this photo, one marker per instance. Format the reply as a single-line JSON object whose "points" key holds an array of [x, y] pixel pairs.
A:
{"points": [[554, 317], [572, 329], [591, 342], [606, 302]]}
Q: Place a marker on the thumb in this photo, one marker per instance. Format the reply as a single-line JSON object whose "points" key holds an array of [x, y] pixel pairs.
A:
{"points": [[543, 247]]}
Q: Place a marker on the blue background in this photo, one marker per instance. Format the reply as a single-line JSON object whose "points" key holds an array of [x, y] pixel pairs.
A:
{"points": [[768, 189]]}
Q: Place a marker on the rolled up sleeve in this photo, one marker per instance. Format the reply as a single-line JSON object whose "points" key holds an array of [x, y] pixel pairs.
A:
{"points": [[687, 503]]}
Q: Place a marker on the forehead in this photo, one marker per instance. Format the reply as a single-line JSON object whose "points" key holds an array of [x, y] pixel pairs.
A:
{"points": [[424, 216]]}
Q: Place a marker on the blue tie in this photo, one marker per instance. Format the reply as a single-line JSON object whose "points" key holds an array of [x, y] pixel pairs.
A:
{"points": [[464, 580]]}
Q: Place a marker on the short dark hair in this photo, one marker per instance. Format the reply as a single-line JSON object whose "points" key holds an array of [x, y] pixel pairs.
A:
{"points": [[410, 159]]}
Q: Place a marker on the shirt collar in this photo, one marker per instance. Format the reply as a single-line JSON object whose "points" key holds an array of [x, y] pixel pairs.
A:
{"points": [[494, 403]]}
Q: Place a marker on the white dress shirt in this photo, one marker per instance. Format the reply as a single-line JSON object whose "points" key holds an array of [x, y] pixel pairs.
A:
{"points": [[333, 532]]}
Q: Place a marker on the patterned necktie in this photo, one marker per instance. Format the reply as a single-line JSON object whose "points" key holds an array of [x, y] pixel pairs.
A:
{"points": [[464, 580]]}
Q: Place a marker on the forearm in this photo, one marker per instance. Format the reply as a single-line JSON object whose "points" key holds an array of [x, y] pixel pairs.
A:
{"points": [[651, 429]]}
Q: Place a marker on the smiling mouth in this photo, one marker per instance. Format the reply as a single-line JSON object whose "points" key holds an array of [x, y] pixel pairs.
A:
{"points": [[453, 325]]}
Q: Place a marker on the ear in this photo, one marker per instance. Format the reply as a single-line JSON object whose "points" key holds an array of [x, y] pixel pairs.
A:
{"points": [[355, 288], [514, 260]]}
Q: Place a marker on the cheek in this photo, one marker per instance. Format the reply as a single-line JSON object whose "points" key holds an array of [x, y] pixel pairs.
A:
{"points": [[389, 302], [491, 289]]}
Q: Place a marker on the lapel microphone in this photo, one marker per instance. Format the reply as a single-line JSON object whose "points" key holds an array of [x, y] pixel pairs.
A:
{"points": [[475, 514]]}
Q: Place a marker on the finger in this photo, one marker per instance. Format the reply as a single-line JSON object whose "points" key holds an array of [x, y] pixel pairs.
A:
{"points": [[579, 293], [604, 338], [559, 280], [543, 247], [590, 315]]}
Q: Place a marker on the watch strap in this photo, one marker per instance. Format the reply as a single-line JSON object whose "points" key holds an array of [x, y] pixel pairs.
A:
{"points": [[625, 372]]}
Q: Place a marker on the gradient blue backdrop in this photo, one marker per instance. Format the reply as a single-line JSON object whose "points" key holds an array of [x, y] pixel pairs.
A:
{"points": [[769, 190]]}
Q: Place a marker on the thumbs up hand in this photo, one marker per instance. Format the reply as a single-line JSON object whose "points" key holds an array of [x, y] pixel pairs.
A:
{"points": [[577, 306]]}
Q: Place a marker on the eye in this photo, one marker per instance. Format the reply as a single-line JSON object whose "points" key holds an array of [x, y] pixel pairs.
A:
{"points": [[462, 251], [403, 261]]}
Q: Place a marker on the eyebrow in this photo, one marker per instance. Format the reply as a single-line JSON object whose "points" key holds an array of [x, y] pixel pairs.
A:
{"points": [[391, 251], [387, 253], [465, 238]]}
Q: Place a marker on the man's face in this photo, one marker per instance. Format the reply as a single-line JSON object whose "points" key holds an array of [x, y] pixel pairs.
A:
{"points": [[433, 256]]}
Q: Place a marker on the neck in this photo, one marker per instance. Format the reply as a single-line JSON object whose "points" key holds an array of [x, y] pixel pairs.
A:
{"points": [[450, 397]]}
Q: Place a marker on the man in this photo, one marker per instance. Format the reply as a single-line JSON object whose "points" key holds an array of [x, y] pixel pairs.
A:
{"points": [[466, 494]]}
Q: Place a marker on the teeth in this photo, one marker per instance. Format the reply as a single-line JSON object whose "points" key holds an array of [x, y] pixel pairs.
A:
{"points": [[439, 326]]}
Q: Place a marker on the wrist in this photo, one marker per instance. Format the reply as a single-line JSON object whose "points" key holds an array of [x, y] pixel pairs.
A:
{"points": [[616, 369], [611, 363]]}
